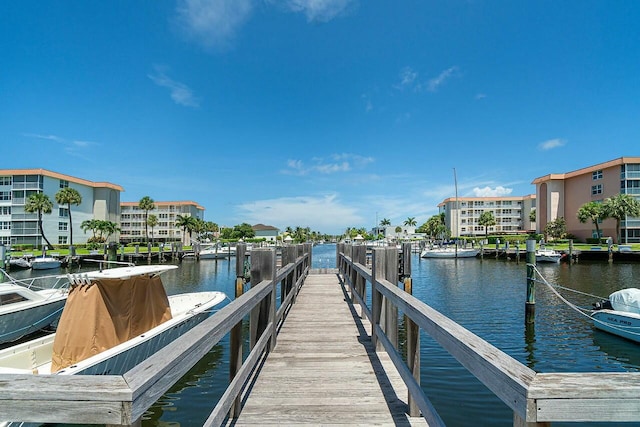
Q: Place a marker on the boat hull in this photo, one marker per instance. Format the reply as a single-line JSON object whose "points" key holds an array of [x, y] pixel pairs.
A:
{"points": [[16, 324], [449, 253], [35, 356], [45, 264], [623, 324]]}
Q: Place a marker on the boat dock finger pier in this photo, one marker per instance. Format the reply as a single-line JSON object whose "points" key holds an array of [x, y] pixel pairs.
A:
{"points": [[323, 350]]}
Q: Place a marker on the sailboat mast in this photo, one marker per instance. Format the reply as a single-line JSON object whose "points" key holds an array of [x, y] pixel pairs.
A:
{"points": [[455, 182]]}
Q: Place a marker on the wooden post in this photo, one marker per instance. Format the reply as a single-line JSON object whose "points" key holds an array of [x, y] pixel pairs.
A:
{"points": [[262, 261], [272, 308], [530, 304], [235, 351], [113, 251], [481, 249], [390, 309], [570, 251], [413, 350], [610, 248], [377, 272], [518, 252], [360, 256], [3, 256]]}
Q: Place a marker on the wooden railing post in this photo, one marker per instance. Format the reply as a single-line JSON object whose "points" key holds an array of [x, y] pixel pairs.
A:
{"points": [[413, 350], [272, 307], [235, 340], [390, 310], [360, 256], [288, 256], [377, 272], [262, 262]]}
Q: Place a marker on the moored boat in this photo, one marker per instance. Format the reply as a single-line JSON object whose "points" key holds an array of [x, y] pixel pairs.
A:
{"points": [[620, 314], [20, 262], [449, 252], [26, 306], [548, 255], [45, 263], [113, 320]]}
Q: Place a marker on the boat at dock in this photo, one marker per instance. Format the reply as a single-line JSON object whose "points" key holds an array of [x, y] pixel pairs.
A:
{"points": [[27, 306], [20, 262], [449, 252], [548, 255], [45, 263], [112, 321], [620, 314]]}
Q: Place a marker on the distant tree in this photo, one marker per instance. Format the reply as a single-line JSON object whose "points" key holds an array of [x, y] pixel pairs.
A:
{"points": [[435, 227], [486, 220], [532, 215], [146, 204], [40, 203], [385, 222], [398, 229], [68, 196], [592, 211], [90, 224], [556, 229], [152, 221], [107, 229], [187, 223], [619, 207], [410, 222]]}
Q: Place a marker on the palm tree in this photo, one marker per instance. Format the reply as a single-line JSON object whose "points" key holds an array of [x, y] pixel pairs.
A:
{"points": [[620, 207], [592, 211], [486, 220], [146, 204], [68, 196], [90, 224], [187, 223], [40, 203], [410, 222], [385, 222], [108, 228], [152, 221]]}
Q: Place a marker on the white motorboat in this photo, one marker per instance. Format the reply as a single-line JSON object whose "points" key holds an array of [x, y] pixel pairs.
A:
{"points": [[620, 314], [20, 262], [113, 320], [26, 306], [548, 255], [449, 252], [45, 263]]}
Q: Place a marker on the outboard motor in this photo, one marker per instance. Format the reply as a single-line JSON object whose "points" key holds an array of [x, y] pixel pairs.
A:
{"points": [[605, 304]]}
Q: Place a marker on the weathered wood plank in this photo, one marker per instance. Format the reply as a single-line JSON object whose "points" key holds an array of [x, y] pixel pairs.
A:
{"points": [[324, 369]]}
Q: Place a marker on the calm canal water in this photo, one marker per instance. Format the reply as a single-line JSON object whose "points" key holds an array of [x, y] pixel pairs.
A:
{"points": [[487, 297]]}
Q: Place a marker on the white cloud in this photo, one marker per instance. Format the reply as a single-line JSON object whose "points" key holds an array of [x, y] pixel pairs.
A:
{"points": [[481, 96], [344, 162], [72, 147], [407, 78], [499, 191], [445, 75], [326, 214], [213, 23], [180, 93], [319, 10], [551, 144]]}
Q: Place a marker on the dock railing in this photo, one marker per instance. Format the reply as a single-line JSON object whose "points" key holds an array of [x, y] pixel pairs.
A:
{"points": [[123, 399], [537, 399]]}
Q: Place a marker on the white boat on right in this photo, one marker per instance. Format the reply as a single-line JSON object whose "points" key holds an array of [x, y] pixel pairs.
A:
{"points": [[449, 252], [620, 314], [548, 255]]}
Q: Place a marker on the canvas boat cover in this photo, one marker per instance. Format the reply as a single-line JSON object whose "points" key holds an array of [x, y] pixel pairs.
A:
{"points": [[103, 313], [627, 300]]}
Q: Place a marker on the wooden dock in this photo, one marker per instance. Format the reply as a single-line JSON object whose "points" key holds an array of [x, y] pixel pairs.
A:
{"points": [[324, 369]]}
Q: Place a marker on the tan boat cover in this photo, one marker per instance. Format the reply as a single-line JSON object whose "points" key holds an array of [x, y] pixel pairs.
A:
{"points": [[105, 313]]}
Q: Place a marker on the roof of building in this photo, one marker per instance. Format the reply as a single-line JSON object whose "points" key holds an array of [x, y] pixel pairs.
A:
{"points": [[487, 199], [51, 174], [262, 227], [615, 162]]}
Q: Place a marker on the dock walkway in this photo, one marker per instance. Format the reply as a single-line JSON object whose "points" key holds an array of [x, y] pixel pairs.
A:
{"points": [[324, 369]]}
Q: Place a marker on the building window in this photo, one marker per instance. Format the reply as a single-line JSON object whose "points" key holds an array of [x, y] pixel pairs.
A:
{"points": [[5, 210], [64, 183], [596, 189], [63, 226], [5, 240], [596, 174], [63, 212], [5, 195], [62, 240], [5, 225], [5, 180]]}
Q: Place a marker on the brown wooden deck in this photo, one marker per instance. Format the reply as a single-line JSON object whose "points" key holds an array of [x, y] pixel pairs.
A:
{"points": [[324, 369]]}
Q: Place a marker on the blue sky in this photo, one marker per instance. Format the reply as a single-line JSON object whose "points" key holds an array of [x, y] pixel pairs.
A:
{"points": [[318, 113]]}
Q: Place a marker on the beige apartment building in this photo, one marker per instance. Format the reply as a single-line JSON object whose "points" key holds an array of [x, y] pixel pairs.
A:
{"points": [[511, 214], [133, 228], [561, 195], [100, 200]]}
